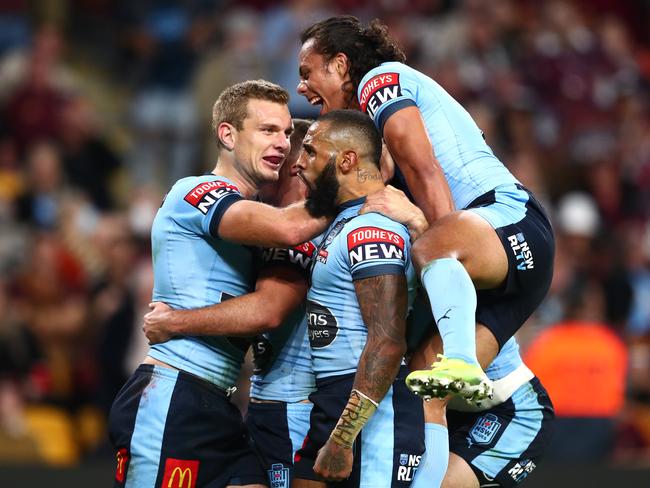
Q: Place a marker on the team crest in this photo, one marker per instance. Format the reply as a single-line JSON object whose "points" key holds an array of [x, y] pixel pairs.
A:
{"points": [[485, 428], [279, 476], [403, 459]]}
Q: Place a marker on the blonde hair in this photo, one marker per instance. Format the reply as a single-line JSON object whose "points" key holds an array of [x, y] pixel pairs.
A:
{"points": [[232, 105]]}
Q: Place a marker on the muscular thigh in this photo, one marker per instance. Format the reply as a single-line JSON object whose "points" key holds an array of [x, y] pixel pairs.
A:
{"points": [[468, 237], [459, 474]]}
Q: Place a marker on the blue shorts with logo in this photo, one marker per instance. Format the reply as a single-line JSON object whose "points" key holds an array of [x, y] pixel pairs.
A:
{"points": [[171, 428], [527, 237], [278, 431], [388, 449], [504, 444]]}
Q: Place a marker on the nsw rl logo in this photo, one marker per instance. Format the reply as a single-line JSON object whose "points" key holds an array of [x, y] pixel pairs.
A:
{"points": [[522, 252], [370, 243], [408, 465]]}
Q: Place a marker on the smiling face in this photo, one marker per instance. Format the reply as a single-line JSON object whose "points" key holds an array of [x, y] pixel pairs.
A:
{"points": [[262, 144], [322, 81]]}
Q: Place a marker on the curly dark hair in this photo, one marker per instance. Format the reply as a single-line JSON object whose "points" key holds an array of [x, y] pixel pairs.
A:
{"points": [[365, 47]]}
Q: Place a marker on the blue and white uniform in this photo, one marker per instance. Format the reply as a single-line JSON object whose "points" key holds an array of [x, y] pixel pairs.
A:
{"points": [[170, 423], [389, 447], [503, 440], [479, 182], [283, 379]]}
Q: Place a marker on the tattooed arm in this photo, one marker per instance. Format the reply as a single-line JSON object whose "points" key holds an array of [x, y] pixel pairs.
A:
{"points": [[383, 303]]}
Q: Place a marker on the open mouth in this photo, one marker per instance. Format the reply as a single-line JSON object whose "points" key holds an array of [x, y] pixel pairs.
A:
{"points": [[315, 100], [275, 161]]}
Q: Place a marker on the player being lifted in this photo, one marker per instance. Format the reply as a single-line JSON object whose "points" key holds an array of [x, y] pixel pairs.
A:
{"points": [[485, 266]]}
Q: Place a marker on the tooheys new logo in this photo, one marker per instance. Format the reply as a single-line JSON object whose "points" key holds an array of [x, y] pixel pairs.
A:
{"points": [[205, 195], [377, 91], [321, 324], [300, 255], [370, 243]]}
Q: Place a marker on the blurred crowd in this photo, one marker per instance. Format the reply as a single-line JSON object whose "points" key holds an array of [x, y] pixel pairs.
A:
{"points": [[104, 104]]}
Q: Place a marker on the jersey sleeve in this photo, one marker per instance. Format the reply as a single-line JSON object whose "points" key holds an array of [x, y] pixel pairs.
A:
{"points": [[385, 90], [298, 257], [377, 246], [205, 203]]}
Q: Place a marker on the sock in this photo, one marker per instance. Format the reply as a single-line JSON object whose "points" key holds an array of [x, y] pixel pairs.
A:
{"points": [[453, 302], [433, 464]]}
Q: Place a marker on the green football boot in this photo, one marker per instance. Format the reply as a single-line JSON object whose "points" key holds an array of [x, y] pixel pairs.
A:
{"points": [[451, 376]]}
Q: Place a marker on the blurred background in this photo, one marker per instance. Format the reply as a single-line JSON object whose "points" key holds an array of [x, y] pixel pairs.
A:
{"points": [[104, 104]]}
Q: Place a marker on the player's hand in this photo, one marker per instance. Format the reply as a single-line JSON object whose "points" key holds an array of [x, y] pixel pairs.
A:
{"points": [[158, 322], [334, 462], [394, 204]]}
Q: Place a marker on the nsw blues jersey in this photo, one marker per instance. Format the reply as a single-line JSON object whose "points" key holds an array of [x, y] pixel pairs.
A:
{"points": [[470, 166], [354, 247], [194, 269], [283, 369]]}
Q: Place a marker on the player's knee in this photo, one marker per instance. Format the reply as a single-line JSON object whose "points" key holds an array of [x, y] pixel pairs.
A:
{"points": [[422, 253], [426, 249]]}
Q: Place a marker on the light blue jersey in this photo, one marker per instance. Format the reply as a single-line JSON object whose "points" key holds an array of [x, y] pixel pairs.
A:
{"points": [[283, 369], [470, 166], [354, 247], [194, 269]]}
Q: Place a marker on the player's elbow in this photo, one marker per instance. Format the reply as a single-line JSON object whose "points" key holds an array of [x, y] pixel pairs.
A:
{"points": [[271, 320], [392, 348], [288, 235]]}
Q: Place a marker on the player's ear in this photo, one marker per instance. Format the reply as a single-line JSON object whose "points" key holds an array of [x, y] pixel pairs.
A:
{"points": [[226, 134], [349, 161], [341, 64]]}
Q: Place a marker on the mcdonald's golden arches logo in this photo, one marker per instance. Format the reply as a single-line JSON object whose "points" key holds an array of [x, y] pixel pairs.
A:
{"points": [[180, 473], [122, 457]]}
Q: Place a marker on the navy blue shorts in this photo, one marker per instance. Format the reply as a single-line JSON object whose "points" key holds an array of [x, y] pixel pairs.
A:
{"points": [[527, 237], [278, 431], [170, 428], [504, 444], [388, 449]]}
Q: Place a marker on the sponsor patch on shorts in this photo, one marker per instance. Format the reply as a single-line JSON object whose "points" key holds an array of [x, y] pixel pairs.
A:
{"points": [[521, 470], [408, 466], [122, 458], [180, 473]]}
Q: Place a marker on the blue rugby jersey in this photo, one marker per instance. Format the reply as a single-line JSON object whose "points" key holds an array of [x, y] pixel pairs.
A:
{"points": [[470, 166], [282, 357], [354, 247], [194, 269]]}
